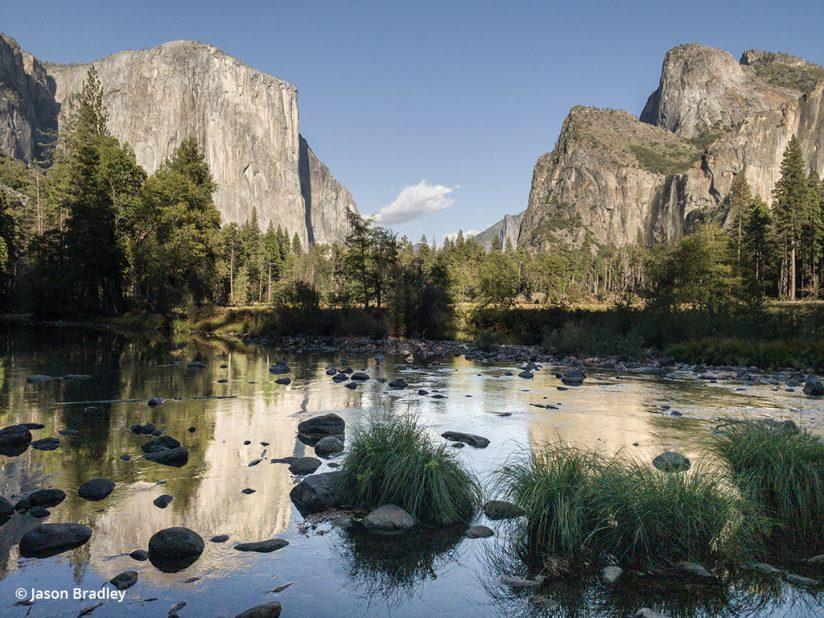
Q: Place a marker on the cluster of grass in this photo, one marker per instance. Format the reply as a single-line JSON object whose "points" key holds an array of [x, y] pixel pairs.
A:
{"points": [[781, 469], [392, 460], [583, 507], [771, 354]]}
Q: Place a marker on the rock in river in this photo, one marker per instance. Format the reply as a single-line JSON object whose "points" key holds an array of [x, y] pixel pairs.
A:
{"points": [[6, 510], [466, 438], [141, 555], [398, 384], [14, 440], [671, 462], [174, 549], [175, 457], [573, 377], [500, 509], [328, 446], [124, 580], [326, 425], [265, 610], [45, 444], [388, 519], [479, 532], [262, 547], [95, 489], [163, 501], [160, 443], [51, 539], [813, 387], [316, 493], [304, 465], [46, 497]]}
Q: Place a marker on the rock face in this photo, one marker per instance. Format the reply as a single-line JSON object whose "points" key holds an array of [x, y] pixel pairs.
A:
{"points": [[615, 179], [246, 122], [506, 231]]}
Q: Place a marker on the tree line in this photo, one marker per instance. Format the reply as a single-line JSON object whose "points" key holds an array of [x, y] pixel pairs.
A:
{"points": [[93, 233]]}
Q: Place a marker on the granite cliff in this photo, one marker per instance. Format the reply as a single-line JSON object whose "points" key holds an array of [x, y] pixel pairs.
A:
{"points": [[505, 231], [245, 120], [616, 179]]}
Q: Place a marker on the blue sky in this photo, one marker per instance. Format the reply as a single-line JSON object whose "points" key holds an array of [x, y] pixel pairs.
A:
{"points": [[463, 95]]}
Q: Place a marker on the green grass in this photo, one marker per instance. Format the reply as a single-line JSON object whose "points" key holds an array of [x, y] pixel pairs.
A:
{"points": [[781, 470], [647, 516], [583, 508], [553, 486], [774, 354], [392, 460]]}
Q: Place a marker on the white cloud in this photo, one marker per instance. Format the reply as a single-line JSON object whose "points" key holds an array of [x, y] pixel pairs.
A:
{"points": [[415, 201], [467, 234]]}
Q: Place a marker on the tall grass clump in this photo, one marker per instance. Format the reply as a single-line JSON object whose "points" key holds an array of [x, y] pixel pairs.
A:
{"points": [[553, 486], [781, 469], [392, 460], [650, 517]]}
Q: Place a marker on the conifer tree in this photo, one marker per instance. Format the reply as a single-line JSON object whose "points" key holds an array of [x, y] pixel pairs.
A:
{"points": [[790, 196]]}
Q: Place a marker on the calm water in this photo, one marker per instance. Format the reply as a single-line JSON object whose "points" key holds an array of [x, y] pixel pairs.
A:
{"points": [[333, 574]]}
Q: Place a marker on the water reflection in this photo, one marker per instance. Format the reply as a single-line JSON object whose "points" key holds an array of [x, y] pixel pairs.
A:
{"points": [[410, 575]]}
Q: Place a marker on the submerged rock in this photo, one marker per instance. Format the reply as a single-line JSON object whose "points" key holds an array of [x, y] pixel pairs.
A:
{"points": [[51, 539], [360, 376], [141, 555], [14, 440], [671, 462], [124, 580], [479, 532], [95, 489], [6, 510], [610, 574], [263, 547], [46, 444], [466, 438], [160, 443], [175, 457], [328, 445], [265, 610], [304, 465], [693, 569], [279, 368], [501, 509], [398, 384], [388, 519], [219, 538], [519, 582], [316, 493]]}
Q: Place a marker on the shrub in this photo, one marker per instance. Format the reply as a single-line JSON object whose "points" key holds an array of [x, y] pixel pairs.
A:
{"points": [[647, 516], [392, 460], [553, 487], [782, 470]]}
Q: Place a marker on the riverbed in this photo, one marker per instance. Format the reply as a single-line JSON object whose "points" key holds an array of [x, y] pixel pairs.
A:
{"points": [[230, 412]]}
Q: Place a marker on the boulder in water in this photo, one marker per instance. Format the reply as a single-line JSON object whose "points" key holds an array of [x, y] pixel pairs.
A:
{"points": [[51, 539]]}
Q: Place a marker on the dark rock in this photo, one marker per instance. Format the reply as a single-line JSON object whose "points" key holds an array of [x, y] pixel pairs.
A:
{"points": [[223, 381], [163, 501], [466, 438], [192, 429], [527, 375], [813, 387], [156, 401], [219, 538], [316, 493], [124, 580], [39, 512], [45, 444], [69, 432], [141, 555], [340, 377], [39, 379], [46, 497], [32, 426], [14, 440], [328, 445], [160, 443], [279, 369], [573, 377], [174, 549], [175, 457], [671, 462], [479, 532], [254, 462], [693, 569], [265, 610], [22, 505], [263, 547], [51, 539], [126, 457], [248, 491], [196, 365], [95, 489], [388, 519], [351, 385], [500, 509], [360, 376], [422, 391], [399, 384], [438, 396], [283, 381], [326, 425], [304, 465], [6, 510]]}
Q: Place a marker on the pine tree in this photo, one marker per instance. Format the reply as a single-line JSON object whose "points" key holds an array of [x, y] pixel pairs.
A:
{"points": [[789, 199], [812, 234], [739, 203], [756, 247]]}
